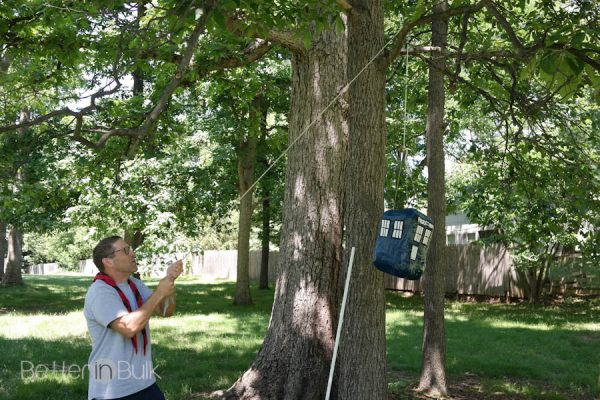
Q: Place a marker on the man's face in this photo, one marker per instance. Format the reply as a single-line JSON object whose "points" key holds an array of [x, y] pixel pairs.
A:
{"points": [[121, 261]]}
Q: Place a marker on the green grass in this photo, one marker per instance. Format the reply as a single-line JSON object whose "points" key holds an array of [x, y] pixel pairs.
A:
{"points": [[520, 351], [557, 347]]}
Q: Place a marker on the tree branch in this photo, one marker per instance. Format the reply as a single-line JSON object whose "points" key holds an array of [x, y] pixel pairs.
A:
{"points": [[581, 55], [463, 41], [344, 4], [512, 36], [138, 132], [494, 102], [391, 55], [286, 39], [251, 53]]}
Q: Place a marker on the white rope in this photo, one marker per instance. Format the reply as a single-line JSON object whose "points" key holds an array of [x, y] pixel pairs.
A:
{"points": [[405, 108], [405, 152], [402, 163]]}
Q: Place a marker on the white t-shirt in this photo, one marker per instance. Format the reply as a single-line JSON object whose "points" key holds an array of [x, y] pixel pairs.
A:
{"points": [[115, 369]]}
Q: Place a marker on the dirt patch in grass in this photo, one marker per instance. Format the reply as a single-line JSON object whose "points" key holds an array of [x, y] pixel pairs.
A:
{"points": [[472, 387], [466, 387]]}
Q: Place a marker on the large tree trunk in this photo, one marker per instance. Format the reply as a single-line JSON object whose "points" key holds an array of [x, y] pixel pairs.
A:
{"points": [[246, 162], [265, 241], [294, 358], [13, 275], [362, 362], [433, 374], [3, 247]]}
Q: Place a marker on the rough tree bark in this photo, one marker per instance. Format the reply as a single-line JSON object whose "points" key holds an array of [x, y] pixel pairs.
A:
{"points": [[3, 247], [14, 263], [362, 362], [294, 358], [433, 374]]}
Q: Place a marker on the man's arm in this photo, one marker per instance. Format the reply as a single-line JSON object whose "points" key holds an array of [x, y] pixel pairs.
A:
{"points": [[173, 272], [131, 323]]}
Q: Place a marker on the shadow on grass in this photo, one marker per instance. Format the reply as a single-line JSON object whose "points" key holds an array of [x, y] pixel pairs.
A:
{"points": [[65, 293], [48, 294], [497, 341], [32, 369], [37, 369]]}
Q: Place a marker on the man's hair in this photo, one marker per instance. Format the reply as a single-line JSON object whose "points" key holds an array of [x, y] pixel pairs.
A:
{"points": [[104, 249]]}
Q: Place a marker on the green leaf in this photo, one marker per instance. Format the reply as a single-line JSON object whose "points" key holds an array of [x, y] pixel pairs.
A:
{"points": [[219, 19], [549, 63], [529, 70], [574, 64], [419, 9], [578, 39], [568, 90], [458, 3], [339, 25], [229, 5], [593, 75], [320, 27], [307, 39]]}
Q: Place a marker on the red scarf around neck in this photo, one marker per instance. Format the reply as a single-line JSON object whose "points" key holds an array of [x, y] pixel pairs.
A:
{"points": [[138, 297]]}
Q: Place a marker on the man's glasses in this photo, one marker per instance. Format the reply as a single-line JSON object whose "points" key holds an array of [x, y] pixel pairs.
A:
{"points": [[125, 250]]}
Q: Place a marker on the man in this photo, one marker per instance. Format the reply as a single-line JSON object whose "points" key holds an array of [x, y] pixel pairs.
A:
{"points": [[117, 310]]}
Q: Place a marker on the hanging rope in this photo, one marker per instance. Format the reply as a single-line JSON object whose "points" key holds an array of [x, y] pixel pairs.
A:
{"points": [[403, 155]]}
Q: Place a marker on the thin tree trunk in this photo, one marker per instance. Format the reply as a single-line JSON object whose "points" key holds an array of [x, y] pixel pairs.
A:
{"points": [[4, 64], [12, 275], [246, 163], [3, 247], [266, 206], [265, 241], [362, 361], [14, 264], [540, 282], [433, 374], [294, 358], [535, 281], [135, 238]]}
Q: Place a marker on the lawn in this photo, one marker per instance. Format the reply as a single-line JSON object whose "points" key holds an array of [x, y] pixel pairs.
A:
{"points": [[494, 351]]}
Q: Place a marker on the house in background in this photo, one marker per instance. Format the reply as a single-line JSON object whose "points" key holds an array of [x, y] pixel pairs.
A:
{"points": [[459, 230]]}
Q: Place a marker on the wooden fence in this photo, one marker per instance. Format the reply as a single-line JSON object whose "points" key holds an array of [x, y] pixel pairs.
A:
{"points": [[222, 264], [470, 270]]}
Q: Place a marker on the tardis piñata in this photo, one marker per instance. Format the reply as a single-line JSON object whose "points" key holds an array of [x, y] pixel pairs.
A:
{"points": [[402, 241]]}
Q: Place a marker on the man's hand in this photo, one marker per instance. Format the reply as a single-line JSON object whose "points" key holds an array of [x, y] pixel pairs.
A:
{"points": [[166, 287], [167, 305], [174, 270]]}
